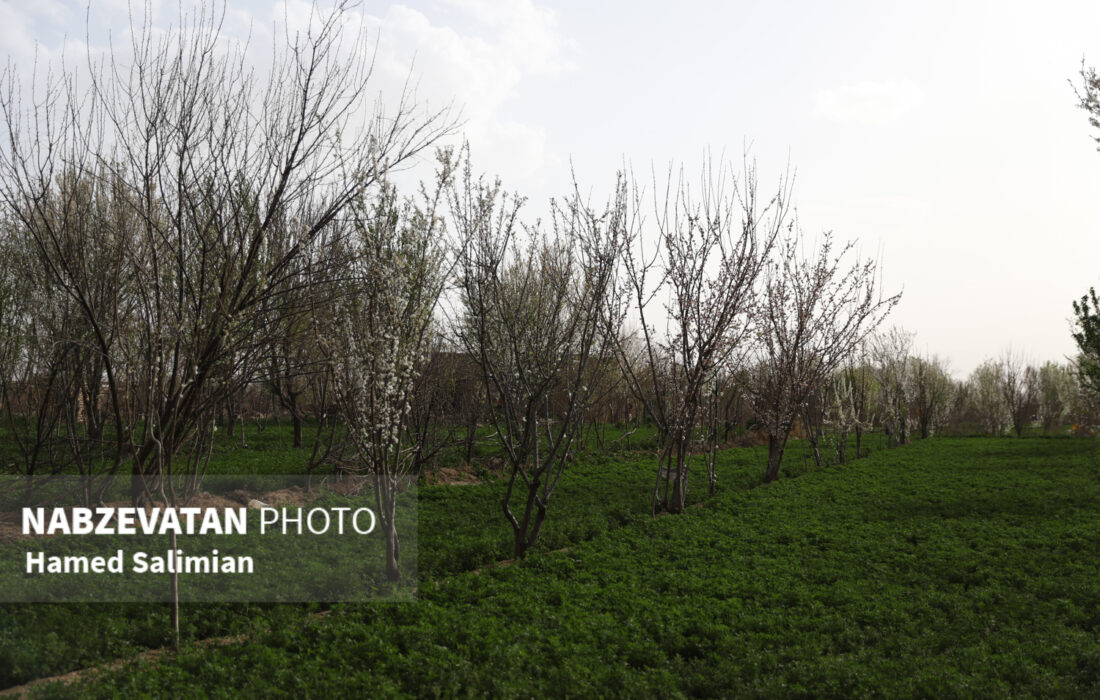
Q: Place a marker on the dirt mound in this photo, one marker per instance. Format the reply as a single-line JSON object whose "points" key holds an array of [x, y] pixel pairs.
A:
{"points": [[464, 475], [293, 496]]}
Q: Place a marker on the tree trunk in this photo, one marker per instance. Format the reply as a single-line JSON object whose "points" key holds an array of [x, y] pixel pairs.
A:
{"points": [[526, 532], [174, 590], [811, 434], [297, 421], [393, 549], [679, 489], [385, 490], [776, 444], [471, 433]]}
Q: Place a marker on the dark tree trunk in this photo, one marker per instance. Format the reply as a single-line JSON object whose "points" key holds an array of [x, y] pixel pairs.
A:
{"points": [[393, 552], [296, 420], [386, 495], [526, 531], [471, 433], [679, 490], [776, 444], [812, 436]]}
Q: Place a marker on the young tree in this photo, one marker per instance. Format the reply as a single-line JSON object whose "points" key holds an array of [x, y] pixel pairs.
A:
{"points": [[290, 362], [1057, 394], [815, 314], [712, 244], [987, 398], [535, 316], [932, 393], [848, 403], [859, 376], [892, 367], [1020, 389], [381, 333]]}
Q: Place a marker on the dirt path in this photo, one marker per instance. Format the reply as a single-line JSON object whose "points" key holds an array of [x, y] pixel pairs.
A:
{"points": [[87, 673], [151, 656]]}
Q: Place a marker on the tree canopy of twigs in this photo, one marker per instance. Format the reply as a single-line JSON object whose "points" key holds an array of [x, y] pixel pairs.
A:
{"points": [[712, 242], [208, 182], [381, 332], [535, 318], [815, 312]]}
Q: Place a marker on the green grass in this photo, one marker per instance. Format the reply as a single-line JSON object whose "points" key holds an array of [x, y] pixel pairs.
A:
{"points": [[461, 529], [949, 568]]}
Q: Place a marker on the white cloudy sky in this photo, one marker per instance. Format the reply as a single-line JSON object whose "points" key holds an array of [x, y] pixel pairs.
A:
{"points": [[942, 135]]}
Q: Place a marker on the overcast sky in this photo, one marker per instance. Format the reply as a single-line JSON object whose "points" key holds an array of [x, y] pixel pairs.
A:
{"points": [[944, 136]]}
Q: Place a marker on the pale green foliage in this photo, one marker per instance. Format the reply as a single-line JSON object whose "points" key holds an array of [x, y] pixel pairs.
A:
{"points": [[988, 399], [1058, 391]]}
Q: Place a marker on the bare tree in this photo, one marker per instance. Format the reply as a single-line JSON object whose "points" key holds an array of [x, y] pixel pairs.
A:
{"points": [[1020, 390], [535, 317], [39, 367], [290, 362], [931, 392], [815, 314], [434, 417], [984, 387], [847, 403], [712, 244], [864, 391], [218, 181], [892, 365]]}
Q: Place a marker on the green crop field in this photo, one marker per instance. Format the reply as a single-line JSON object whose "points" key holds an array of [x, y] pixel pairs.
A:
{"points": [[947, 568]]}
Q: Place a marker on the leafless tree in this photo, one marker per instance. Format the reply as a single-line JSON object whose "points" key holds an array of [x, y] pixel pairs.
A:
{"points": [[290, 361], [815, 313], [848, 405], [712, 244], [859, 376], [931, 392], [987, 398], [1020, 390], [39, 384], [892, 366], [435, 420], [535, 316], [217, 180]]}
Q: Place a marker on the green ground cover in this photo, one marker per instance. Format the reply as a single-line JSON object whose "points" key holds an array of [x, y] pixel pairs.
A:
{"points": [[461, 528], [948, 568]]}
